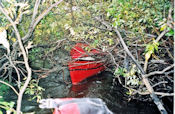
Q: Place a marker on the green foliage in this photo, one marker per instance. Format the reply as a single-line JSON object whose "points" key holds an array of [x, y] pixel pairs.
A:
{"points": [[34, 54], [170, 32], [131, 78], [150, 49], [48, 30], [152, 46], [7, 106], [120, 71], [141, 16], [4, 89], [34, 90], [129, 92]]}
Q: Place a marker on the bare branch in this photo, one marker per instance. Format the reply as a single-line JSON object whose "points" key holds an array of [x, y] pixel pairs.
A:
{"points": [[35, 11], [147, 92], [159, 72], [144, 79], [9, 86], [25, 60], [168, 23], [18, 74], [164, 94], [161, 35], [38, 19], [162, 82]]}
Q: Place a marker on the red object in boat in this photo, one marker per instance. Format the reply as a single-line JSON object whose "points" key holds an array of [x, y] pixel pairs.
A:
{"points": [[80, 106], [70, 108], [81, 69]]}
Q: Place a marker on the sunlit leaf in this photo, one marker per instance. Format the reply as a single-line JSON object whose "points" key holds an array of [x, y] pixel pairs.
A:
{"points": [[163, 27], [13, 39], [11, 104], [110, 41]]}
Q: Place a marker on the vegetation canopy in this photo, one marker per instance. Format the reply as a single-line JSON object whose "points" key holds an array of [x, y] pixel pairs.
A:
{"points": [[136, 35]]}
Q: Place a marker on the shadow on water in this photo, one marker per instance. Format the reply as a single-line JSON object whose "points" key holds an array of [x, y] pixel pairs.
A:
{"points": [[100, 86]]}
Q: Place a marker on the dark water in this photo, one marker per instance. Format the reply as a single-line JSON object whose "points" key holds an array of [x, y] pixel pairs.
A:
{"points": [[100, 86]]}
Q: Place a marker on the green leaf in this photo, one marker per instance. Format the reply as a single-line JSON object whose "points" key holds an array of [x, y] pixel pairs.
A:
{"points": [[11, 104], [149, 47], [96, 41], [110, 41], [163, 27], [170, 33], [155, 44], [120, 71], [4, 103]]}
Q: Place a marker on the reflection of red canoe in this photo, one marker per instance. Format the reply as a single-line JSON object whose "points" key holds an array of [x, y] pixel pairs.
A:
{"points": [[82, 65]]}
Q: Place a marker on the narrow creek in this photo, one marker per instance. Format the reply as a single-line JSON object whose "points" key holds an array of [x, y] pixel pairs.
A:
{"points": [[100, 86]]}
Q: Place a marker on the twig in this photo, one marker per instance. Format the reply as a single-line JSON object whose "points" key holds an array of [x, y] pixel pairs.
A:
{"points": [[35, 11], [168, 23], [56, 47], [109, 28], [37, 20], [31, 28], [112, 57], [162, 82], [170, 55], [25, 60], [161, 35], [10, 110], [144, 79], [164, 94], [159, 72], [170, 19], [10, 86], [147, 92], [158, 61], [157, 40], [145, 65], [3, 66], [18, 75], [127, 51]]}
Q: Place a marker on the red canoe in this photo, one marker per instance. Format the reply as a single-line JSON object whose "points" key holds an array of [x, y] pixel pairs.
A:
{"points": [[83, 65]]}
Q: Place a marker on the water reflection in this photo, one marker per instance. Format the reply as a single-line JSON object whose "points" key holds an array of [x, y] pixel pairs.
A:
{"points": [[100, 86]]}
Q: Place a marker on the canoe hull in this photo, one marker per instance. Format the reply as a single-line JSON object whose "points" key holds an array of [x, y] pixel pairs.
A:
{"points": [[80, 70], [83, 65]]}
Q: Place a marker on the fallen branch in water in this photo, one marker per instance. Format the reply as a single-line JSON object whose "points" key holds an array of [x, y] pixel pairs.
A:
{"points": [[144, 79]]}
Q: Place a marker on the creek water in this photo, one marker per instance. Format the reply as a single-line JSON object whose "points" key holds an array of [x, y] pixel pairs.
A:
{"points": [[100, 86]]}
